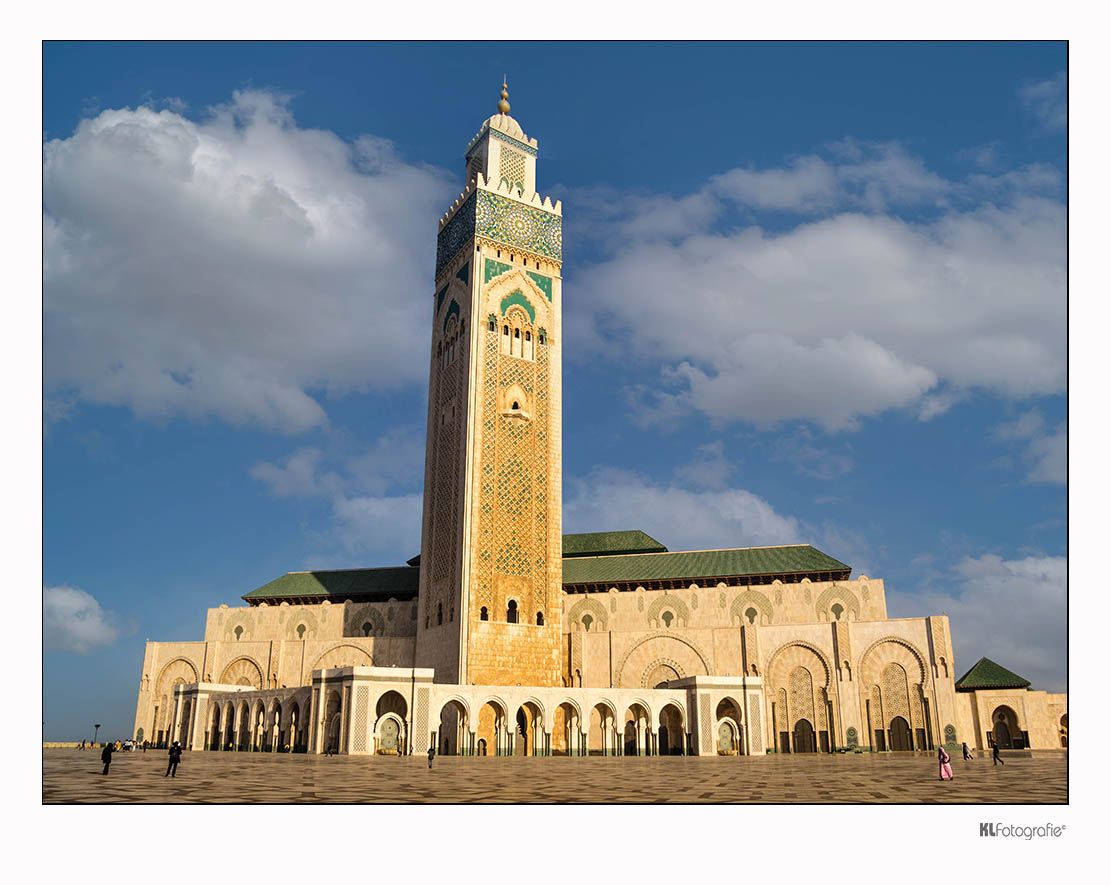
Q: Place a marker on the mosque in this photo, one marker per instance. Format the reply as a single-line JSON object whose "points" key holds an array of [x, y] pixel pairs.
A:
{"points": [[506, 637]]}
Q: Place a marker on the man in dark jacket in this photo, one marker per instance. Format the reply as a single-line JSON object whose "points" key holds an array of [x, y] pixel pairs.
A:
{"points": [[106, 755], [175, 758]]}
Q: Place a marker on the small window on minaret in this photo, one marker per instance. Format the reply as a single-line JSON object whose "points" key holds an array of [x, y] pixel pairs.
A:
{"points": [[541, 337], [493, 325], [511, 612], [540, 619], [516, 333], [516, 406], [484, 615], [439, 613]]}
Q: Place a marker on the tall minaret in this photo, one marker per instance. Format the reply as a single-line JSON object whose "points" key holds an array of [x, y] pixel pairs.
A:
{"points": [[491, 546]]}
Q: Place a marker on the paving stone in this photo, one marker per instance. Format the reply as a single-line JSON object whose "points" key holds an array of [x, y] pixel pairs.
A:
{"points": [[72, 776]]}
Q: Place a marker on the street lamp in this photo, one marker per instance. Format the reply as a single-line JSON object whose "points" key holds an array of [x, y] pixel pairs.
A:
{"points": [[96, 727]]}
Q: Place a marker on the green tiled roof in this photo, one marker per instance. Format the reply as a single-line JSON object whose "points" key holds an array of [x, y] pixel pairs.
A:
{"points": [[610, 544], [699, 564], [985, 673], [402, 582]]}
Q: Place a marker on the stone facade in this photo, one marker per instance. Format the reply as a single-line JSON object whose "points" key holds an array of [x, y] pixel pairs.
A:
{"points": [[495, 654]]}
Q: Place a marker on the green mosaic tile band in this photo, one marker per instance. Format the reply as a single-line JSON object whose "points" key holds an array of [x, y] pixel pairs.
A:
{"points": [[545, 283], [501, 136], [518, 297], [507, 221], [463, 272], [440, 298], [493, 269]]}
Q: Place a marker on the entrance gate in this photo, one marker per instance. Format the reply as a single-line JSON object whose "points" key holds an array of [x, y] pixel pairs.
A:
{"points": [[900, 734], [804, 737]]}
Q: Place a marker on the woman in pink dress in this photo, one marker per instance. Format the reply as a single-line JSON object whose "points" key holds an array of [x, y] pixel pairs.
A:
{"points": [[945, 770]]}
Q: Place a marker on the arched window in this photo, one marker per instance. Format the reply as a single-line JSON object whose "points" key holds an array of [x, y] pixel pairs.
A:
{"points": [[484, 615], [516, 406], [238, 632], [300, 631], [540, 619], [516, 333], [667, 618], [492, 326], [837, 610], [439, 613], [751, 615], [587, 621], [367, 628], [511, 612]]}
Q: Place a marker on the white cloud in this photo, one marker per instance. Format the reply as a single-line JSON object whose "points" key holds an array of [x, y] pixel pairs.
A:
{"points": [[1048, 100], [1012, 611], [611, 499], [370, 513], [1046, 454], [235, 267], [844, 316], [72, 620], [709, 468]]}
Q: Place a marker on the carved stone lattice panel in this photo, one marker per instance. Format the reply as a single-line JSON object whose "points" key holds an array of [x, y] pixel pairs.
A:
{"points": [[896, 699], [359, 720], [802, 696]]}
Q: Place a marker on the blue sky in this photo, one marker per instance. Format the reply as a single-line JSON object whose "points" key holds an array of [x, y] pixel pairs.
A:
{"points": [[813, 292]]}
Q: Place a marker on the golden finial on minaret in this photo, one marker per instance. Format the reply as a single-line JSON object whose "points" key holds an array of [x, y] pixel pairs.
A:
{"points": [[503, 105]]}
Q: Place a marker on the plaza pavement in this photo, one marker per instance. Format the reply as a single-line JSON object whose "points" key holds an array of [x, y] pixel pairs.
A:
{"points": [[73, 776]]}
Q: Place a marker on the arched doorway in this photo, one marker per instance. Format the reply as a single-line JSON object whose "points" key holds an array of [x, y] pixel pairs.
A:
{"points": [[900, 734], [492, 725], [671, 736], [481, 747], [804, 737], [453, 729], [390, 715], [214, 728], [729, 713], [1005, 731], [599, 731], [227, 734], [1065, 731], [630, 739]]}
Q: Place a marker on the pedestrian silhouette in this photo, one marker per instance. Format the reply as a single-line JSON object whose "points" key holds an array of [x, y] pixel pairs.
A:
{"points": [[995, 755], [175, 758], [106, 755], [431, 754], [967, 752]]}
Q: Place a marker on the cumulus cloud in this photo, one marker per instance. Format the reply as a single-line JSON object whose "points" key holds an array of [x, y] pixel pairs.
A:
{"points": [[709, 469], [610, 499], [371, 510], [72, 620], [1048, 100], [1012, 611], [842, 316], [239, 266], [1046, 450]]}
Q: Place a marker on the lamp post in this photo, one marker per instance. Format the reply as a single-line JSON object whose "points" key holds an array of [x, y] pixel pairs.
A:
{"points": [[96, 728]]}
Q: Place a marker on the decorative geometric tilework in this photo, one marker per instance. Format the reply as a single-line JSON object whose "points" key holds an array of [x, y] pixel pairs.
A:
{"points": [[509, 222], [518, 297], [508, 139], [421, 725], [802, 695], [851, 737], [359, 720], [493, 269], [511, 168], [440, 298], [755, 729], [463, 272], [896, 702], [456, 234], [545, 283], [705, 736]]}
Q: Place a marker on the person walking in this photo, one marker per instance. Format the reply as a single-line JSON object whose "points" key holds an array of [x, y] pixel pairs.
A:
{"points": [[431, 754], [995, 755], [175, 758], [945, 770], [106, 755], [967, 752]]}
